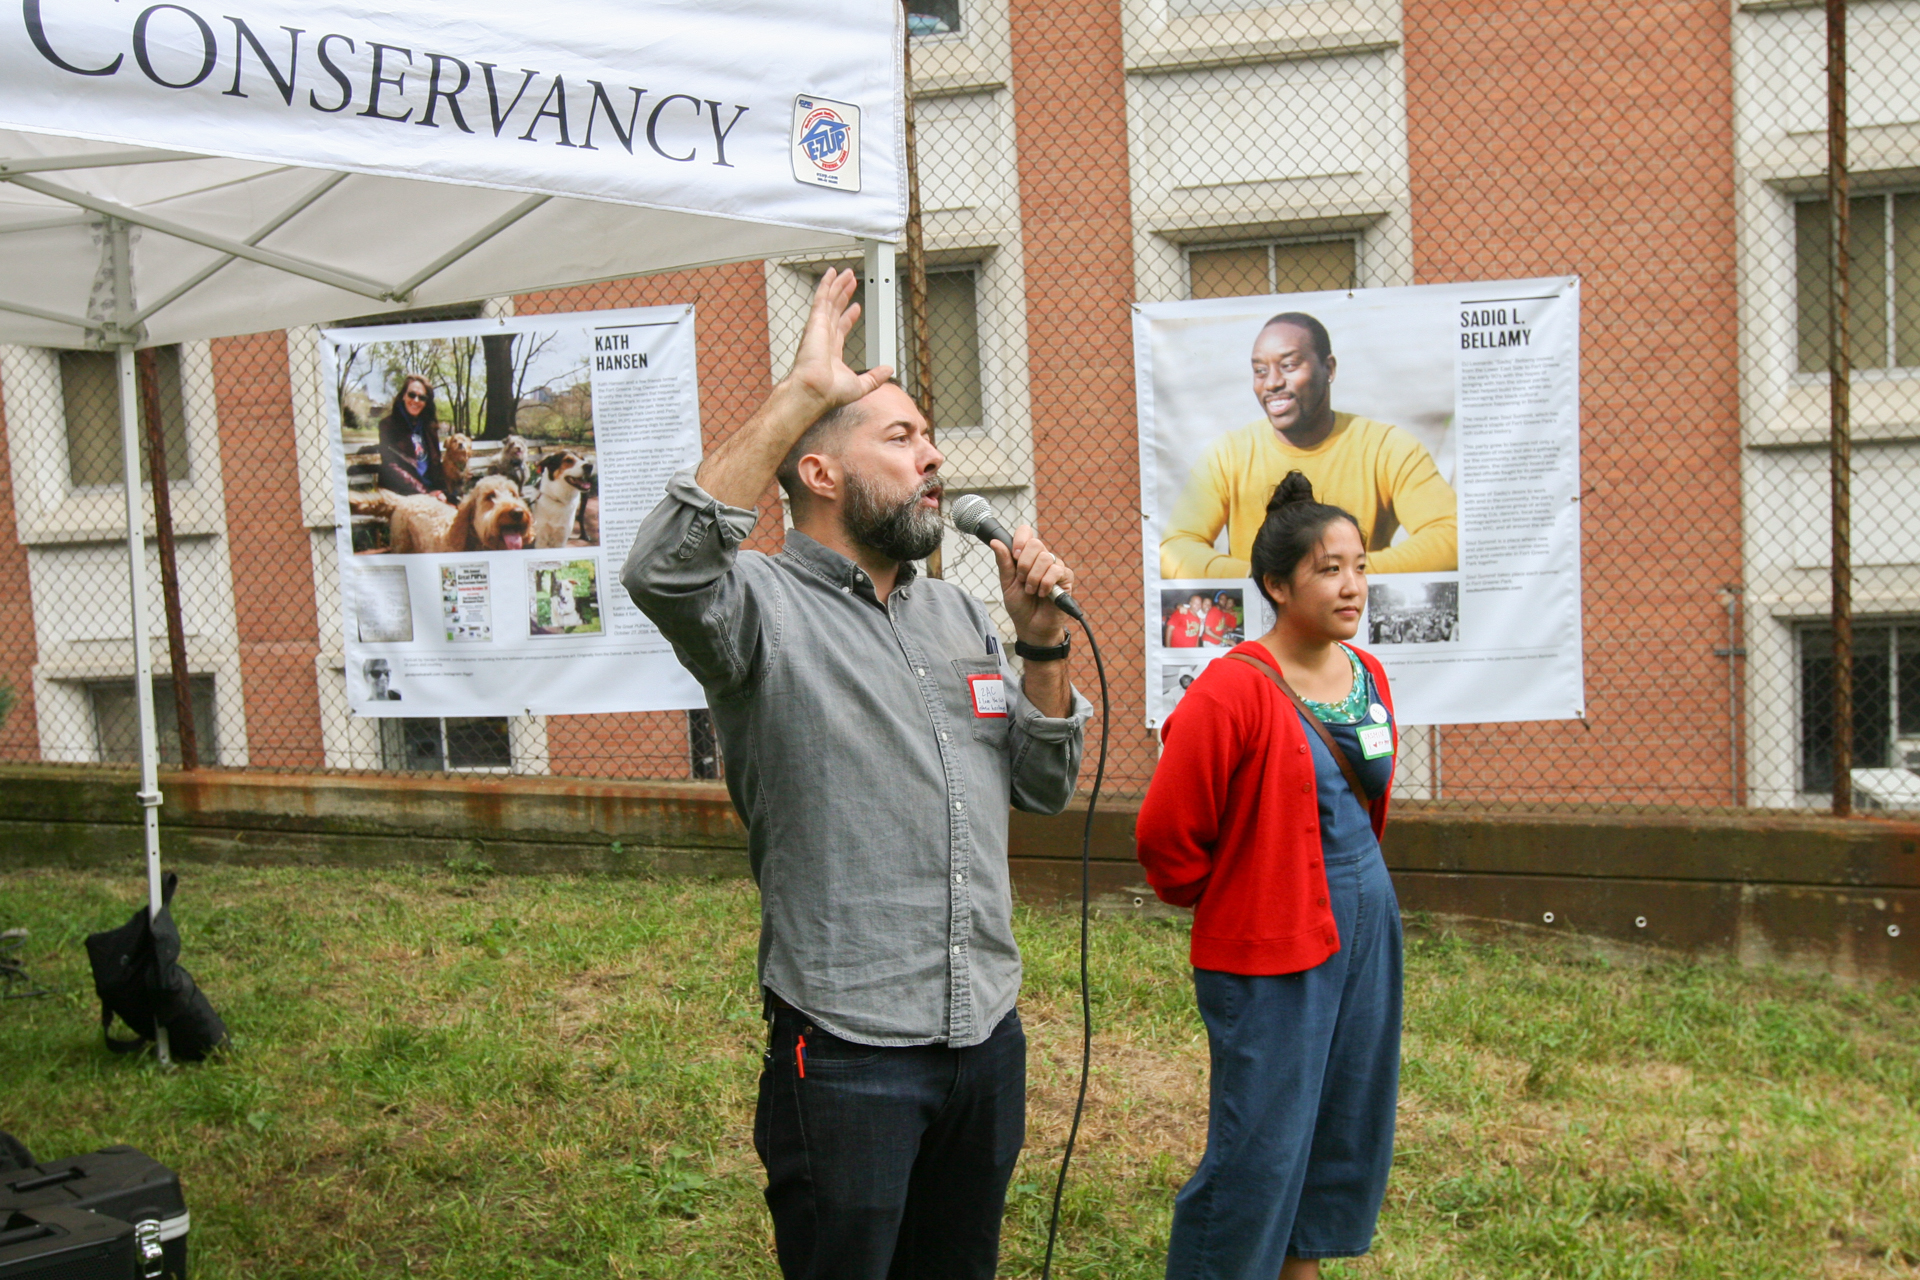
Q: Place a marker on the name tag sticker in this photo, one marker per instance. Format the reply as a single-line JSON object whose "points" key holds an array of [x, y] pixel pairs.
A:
{"points": [[1376, 740], [989, 695]]}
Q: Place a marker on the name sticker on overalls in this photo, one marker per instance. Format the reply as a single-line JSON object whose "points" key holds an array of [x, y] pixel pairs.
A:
{"points": [[989, 695], [1376, 740]]}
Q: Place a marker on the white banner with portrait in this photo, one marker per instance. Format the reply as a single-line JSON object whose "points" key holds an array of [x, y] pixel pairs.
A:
{"points": [[489, 476], [1445, 418]]}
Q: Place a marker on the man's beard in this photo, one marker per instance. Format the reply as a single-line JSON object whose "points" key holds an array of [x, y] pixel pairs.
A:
{"points": [[898, 530]]}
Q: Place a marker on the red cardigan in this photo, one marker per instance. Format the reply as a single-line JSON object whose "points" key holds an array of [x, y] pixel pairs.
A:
{"points": [[1231, 822]]}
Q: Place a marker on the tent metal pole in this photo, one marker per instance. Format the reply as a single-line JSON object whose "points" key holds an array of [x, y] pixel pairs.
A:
{"points": [[119, 250], [881, 293]]}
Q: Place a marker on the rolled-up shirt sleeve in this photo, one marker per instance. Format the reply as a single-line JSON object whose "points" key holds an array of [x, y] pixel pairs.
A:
{"points": [[1046, 750], [682, 573]]}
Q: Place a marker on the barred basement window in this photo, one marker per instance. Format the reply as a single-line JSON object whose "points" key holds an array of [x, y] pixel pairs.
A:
{"points": [[1886, 701], [1246, 270], [703, 746], [90, 391], [479, 744], [1883, 281], [116, 720]]}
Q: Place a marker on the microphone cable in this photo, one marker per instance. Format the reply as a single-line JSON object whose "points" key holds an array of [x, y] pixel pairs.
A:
{"points": [[974, 516], [1086, 987]]}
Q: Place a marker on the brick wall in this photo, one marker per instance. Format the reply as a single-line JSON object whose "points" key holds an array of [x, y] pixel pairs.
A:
{"points": [[1554, 139], [20, 735], [731, 328], [1070, 125], [268, 547]]}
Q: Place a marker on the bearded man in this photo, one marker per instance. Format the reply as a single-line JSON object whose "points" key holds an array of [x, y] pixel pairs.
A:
{"points": [[874, 736]]}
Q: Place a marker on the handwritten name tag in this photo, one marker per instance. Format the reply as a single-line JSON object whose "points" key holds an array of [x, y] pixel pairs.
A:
{"points": [[1376, 740], [989, 695]]}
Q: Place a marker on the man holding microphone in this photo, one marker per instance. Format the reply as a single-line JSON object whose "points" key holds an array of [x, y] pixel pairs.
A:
{"points": [[873, 735]]}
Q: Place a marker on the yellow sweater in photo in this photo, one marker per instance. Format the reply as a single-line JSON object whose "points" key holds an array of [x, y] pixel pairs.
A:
{"points": [[1377, 471]]}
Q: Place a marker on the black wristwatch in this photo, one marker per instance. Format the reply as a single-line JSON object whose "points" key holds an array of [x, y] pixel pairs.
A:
{"points": [[1053, 653]]}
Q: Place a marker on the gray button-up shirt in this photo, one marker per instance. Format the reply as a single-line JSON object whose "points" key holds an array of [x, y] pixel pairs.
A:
{"points": [[872, 751]]}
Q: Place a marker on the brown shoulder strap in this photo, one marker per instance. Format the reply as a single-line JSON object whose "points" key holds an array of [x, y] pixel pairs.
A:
{"points": [[1339, 756]]}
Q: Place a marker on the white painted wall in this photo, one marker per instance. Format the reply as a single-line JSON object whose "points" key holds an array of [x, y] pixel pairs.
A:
{"points": [[1780, 154], [75, 538]]}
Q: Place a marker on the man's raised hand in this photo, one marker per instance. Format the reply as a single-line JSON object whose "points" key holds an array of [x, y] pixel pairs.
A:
{"points": [[820, 368], [740, 469]]}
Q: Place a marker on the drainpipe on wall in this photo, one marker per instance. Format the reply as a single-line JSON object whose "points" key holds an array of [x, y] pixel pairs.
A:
{"points": [[1732, 652], [148, 367], [1839, 379], [917, 275]]}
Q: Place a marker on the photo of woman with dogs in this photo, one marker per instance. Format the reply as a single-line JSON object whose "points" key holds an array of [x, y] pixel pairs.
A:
{"points": [[468, 520], [483, 443]]}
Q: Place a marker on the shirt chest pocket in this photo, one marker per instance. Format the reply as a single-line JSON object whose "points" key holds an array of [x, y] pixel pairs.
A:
{"points": [[982, 702]]}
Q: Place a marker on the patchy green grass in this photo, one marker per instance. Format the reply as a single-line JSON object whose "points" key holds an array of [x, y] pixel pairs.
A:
{"points": [[458, 1076]]}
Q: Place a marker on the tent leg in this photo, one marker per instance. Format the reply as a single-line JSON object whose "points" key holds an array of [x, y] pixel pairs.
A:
{"points": [[881, 292], [142, 647]]}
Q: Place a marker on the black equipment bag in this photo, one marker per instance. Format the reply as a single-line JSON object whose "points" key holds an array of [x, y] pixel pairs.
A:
{"points": [[14, 1153], [67, 1244], [136, 971], [121, 1182]]}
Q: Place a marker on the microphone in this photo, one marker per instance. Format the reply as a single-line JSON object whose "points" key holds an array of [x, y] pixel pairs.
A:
{"points": [[973, 514]]}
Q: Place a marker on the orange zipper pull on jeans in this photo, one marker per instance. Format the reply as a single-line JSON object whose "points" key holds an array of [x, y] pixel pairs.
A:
{"points": [[800, 1056]]}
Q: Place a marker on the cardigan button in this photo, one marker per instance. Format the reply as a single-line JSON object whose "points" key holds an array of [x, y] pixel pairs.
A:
{"points": [[1321, 901], [1303, 749]]}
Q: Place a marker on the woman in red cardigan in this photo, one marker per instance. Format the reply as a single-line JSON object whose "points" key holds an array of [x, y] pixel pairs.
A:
{"points": [[1273, 839]]}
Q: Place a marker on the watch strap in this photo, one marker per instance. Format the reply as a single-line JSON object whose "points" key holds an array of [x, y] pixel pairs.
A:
{"points": [[1050, 653]]}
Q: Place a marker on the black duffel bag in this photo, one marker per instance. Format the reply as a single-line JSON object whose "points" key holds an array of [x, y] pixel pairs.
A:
{"points": [[136, 971]]}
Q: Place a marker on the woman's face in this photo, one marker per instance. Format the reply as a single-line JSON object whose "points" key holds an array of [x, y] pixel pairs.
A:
{"points": [[413, 397], [1328, 590]]}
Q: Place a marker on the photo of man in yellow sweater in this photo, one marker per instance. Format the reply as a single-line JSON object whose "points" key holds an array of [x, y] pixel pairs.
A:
{"points": [[1375, 470]]}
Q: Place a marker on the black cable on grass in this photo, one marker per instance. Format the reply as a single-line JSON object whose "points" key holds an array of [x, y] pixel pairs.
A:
{"points": [[1086, 997]]}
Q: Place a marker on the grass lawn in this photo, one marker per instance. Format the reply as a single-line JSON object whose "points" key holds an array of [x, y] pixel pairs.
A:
{"points": [[460, 1076]]}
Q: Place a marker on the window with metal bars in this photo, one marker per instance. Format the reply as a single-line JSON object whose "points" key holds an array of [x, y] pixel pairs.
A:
{"points": [[477, 744], [1886, 700], [116, 720]]}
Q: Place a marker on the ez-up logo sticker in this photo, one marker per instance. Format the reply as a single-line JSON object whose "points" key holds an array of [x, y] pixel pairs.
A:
{"points": [[826, 143]]}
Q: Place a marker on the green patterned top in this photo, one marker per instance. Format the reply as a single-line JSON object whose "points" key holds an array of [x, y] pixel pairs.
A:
{"points": [[1351, 709]]}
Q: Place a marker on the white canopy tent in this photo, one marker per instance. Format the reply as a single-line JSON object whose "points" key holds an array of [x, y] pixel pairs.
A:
{"points": [[170, 174]]}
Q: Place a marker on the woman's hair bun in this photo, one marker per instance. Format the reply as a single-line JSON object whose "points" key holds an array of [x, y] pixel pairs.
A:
{"points": [[1295, 488]]}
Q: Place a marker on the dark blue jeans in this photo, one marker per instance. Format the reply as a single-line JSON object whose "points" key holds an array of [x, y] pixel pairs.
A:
{"points": [[1305, 1076], [889, 1163]]}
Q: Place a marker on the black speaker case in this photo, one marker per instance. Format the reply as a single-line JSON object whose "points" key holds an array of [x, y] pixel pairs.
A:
{"points": [[122, 1182], [52, 1242]]}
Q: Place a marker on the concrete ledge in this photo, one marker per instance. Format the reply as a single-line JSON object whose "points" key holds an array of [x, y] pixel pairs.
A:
{"points": [[1802, 890], [52, 816]]}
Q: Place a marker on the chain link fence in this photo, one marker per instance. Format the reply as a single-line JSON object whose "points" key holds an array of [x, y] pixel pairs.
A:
{"points": [[1076, 159]]}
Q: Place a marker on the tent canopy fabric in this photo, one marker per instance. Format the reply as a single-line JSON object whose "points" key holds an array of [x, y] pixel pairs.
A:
{"points": [[285, 164], [178, 171]]}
